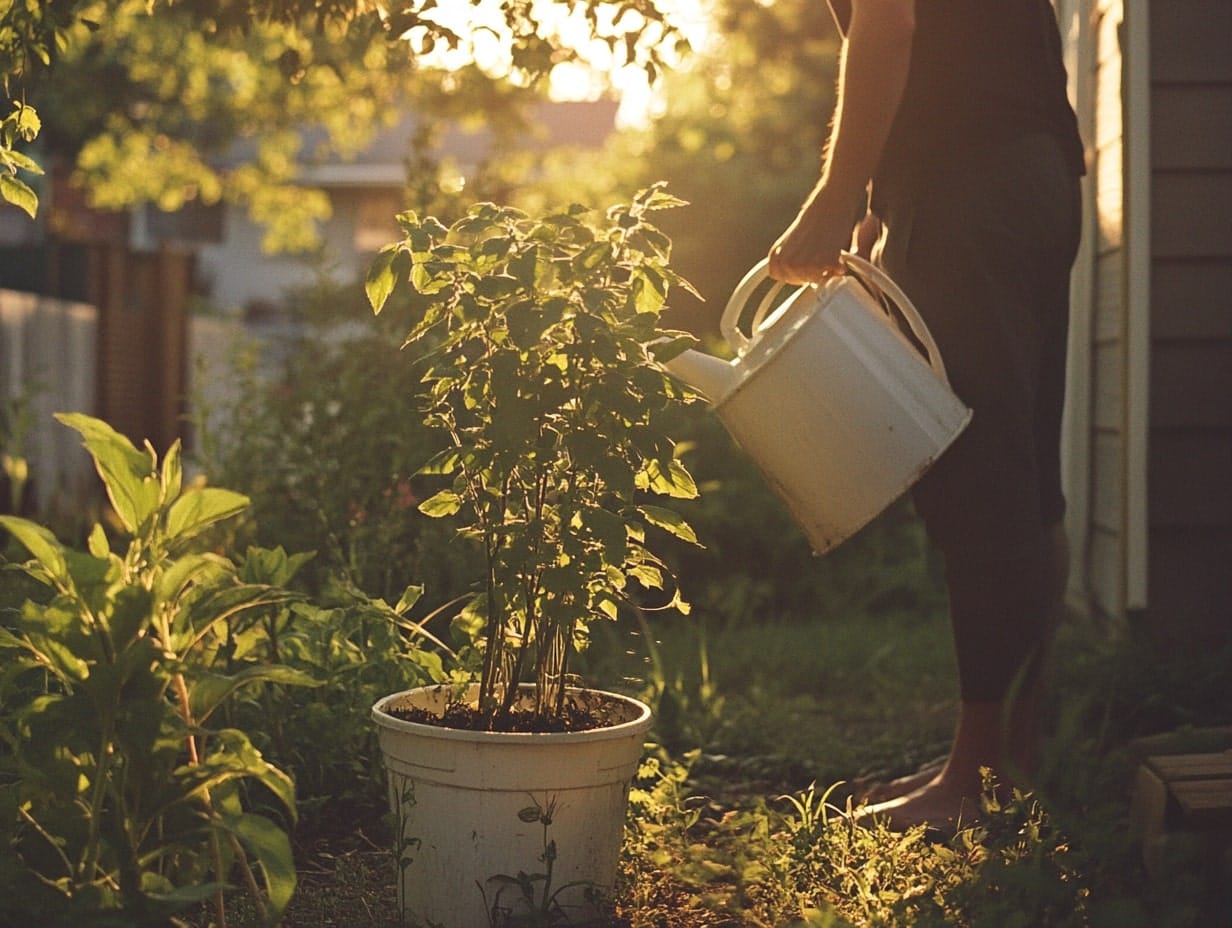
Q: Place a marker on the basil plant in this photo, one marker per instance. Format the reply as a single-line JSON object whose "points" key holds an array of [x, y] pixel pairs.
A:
{"points": [[541, 343]]}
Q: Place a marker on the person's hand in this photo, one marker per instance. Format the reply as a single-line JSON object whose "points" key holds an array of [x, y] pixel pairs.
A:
{"points": [[808, 252], [867, 231]]}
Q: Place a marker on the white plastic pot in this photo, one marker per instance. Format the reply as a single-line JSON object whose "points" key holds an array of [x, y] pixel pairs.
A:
{"points": [[482, 816]]}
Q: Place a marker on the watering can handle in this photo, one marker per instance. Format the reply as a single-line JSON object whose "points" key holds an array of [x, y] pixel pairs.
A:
{"points": [[729, 323], [872, 276], [868, 274]]}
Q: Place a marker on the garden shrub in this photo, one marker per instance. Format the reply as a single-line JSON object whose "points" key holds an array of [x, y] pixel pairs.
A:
{"points": [[120, 795], [142, 688]]}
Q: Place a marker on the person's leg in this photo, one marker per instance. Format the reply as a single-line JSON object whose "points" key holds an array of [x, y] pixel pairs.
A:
{"points": [[991, 279], [1020, 720], [999, 707]]}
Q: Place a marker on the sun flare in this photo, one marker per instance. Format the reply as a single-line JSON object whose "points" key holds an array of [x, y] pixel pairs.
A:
{"points": [[600, 69]]}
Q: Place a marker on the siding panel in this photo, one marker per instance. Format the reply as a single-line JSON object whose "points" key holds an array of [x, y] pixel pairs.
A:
{"points": [[1191, 384], [1107, 491], [1191, 601], [1191, 215], [1191, 299], [1105, 560], [1107, 387], [1105, 554], [1190, 501], [1189, 40], [1191, 127], [1191, 479], [1110, 297], [1109, 200]]}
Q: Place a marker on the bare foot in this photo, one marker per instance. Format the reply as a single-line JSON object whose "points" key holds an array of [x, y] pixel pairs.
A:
{"points": [[875, 791], [939, 804]]}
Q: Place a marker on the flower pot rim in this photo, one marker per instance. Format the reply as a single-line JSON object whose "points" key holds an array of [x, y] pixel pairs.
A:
{"points": [[639, 723]]}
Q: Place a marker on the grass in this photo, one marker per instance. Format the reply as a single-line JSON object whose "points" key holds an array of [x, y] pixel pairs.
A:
{"points": [[732, 825]]}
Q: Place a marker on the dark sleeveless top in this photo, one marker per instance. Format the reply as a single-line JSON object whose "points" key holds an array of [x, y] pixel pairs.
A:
{"points": [[981, 70]]}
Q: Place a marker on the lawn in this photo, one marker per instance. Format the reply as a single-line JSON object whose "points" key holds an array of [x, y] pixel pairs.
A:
{"points": [[792, 681], [758, 717]]}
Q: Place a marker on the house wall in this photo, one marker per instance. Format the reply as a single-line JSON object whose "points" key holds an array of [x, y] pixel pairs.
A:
{"points": [[1190, 439], [1106, 419]]}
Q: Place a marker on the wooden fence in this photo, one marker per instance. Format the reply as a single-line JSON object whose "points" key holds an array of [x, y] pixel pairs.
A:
{"points": [[48, 364], [120, 355]]}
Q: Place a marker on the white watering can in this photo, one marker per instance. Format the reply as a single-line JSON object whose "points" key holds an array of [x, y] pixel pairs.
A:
{"points": [[837, 406]]}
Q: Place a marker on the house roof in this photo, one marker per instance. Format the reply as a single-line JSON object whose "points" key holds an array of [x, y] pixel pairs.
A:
{"points": [[584, 124]]}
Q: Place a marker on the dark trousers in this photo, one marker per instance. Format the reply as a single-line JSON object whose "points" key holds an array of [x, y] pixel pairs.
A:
{"points": [[984, 248]]}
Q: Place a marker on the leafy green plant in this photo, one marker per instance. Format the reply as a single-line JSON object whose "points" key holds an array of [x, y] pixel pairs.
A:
{"points": [[539, 341], [119, 791]]}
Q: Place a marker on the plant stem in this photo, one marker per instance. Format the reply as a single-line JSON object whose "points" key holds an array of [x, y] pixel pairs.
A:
{"points": [[220, 909], [250, 879]]}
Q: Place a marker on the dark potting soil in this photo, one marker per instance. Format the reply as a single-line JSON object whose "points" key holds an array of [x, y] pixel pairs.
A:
{"points": [[574, 717]]}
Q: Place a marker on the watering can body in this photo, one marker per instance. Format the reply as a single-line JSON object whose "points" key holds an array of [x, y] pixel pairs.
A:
{"points": [[839, 408]]}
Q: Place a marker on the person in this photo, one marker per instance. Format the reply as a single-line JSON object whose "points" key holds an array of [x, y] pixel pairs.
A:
{"points": [[952, 120]]}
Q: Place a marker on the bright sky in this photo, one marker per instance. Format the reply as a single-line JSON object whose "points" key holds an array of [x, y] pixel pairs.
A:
{"points": [[482, 24]]}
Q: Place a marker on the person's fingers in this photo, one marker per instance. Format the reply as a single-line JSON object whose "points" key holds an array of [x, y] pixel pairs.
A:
{"points": [[790, 268]]}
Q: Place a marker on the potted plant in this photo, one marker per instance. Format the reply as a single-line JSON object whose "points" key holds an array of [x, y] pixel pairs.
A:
{"points": [[541, 344]]}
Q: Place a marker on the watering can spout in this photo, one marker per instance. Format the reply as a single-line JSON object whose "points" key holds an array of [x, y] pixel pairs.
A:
{"points": [[712, 377]]}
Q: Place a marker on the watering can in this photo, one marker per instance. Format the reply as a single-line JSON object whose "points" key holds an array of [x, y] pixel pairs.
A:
{"points": [[840, 409]]}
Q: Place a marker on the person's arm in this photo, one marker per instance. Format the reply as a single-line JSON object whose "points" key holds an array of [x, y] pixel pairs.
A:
{"points": [[872, 75]]}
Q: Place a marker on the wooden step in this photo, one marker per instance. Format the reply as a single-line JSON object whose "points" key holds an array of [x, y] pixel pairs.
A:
{"points": [[1189, 793]]}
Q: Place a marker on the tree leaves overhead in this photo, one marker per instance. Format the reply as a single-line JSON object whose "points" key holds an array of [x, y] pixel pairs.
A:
{"points": [[185, 79]]}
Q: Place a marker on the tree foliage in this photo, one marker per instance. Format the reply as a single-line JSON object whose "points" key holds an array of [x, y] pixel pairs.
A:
{"points": [[740, 139], [187, 79]]}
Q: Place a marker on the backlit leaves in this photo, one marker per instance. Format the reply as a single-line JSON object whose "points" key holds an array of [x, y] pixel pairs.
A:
{"points": [[537, 337]]}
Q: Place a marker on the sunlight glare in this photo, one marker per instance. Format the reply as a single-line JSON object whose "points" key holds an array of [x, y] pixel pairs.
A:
{"points": [[485, 43]]}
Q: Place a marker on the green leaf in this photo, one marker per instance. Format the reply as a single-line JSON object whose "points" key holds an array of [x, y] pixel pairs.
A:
{"points": [[128, 474], [234, 757], [655, 197], [379, 283], [182, 897], [444, 503], [271, 847], [609, 530], [675, 481], [43, 546], [442, 463], [173, 473], [672, 346], [429, 277], [649, 290], [198, 509], [26, 121], [131, 613], [19, 193], [522, 266], [409, 597], [648, 576], [496, 286], [97, 542], [592, 257], [669, 521], [210, 690], [195, 568], [272, 565]]}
